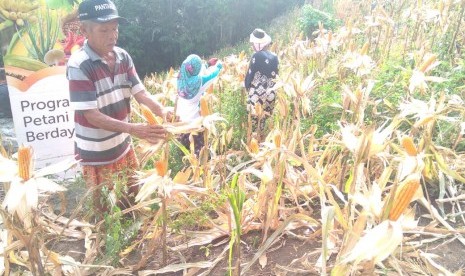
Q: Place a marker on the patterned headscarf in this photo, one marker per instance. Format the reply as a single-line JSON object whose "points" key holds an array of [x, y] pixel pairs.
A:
{"points": [[189, 81]]}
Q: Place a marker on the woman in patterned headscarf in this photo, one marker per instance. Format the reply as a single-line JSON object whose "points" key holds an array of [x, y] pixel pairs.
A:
{"points": [[193, 80], [260, 78]]}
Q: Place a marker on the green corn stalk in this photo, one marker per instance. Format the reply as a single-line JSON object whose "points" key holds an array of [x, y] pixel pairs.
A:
{"points": [[236, 199]]}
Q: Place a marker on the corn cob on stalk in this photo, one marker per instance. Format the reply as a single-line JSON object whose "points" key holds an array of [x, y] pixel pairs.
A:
{"points": [[427, 63], [25, 162], [204, 109], [161, 167], [277, 139], [253, 145], [149, 116], [409, 146], [364, 50], [404, 195]]}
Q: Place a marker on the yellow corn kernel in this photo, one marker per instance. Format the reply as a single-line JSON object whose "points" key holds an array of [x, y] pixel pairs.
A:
{"points": [[404, 195], [25, 162], [427, 63], [204, 110], [409, 146], [149, 116]]}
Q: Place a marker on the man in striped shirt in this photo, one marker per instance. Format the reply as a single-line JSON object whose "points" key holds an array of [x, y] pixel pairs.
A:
{"points": [[102, 81]]}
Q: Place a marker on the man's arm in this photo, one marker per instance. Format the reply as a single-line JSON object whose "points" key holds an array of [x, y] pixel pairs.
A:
{"points": [[143, 131], [142, 97]]}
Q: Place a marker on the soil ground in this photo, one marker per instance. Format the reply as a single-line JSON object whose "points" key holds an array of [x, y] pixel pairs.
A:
{"points": [[289, 255]]}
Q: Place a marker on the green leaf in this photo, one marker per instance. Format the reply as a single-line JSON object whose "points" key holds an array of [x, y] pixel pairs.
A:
{"points": [[59, 4]]}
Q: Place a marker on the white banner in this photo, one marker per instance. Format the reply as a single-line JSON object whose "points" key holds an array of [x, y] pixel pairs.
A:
{"points": [[42, 115]]}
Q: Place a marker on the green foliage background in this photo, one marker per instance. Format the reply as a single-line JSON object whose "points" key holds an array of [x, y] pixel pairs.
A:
{"points": [[161, 33]]}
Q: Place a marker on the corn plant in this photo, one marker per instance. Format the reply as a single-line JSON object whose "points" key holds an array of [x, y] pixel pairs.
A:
{"points": [[20, 206], [236, 199]]}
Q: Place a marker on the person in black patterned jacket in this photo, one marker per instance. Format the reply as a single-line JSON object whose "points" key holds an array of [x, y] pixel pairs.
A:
{"points": [[260, 79]]}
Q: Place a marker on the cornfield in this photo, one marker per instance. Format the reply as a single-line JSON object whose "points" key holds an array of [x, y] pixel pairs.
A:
{"points": [[366, 139]]}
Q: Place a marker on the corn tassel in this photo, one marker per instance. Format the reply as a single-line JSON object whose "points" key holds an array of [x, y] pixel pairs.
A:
{"points": [[409, 146], [404, 195], [204, 110], [149, 116], [424, 66], [25, 162]]}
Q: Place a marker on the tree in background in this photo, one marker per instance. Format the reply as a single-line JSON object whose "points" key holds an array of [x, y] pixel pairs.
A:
{"points": [[162, 32]]}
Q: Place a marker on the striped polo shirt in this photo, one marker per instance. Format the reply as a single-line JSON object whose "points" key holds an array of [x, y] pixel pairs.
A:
{"points": [[92, 85]]}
